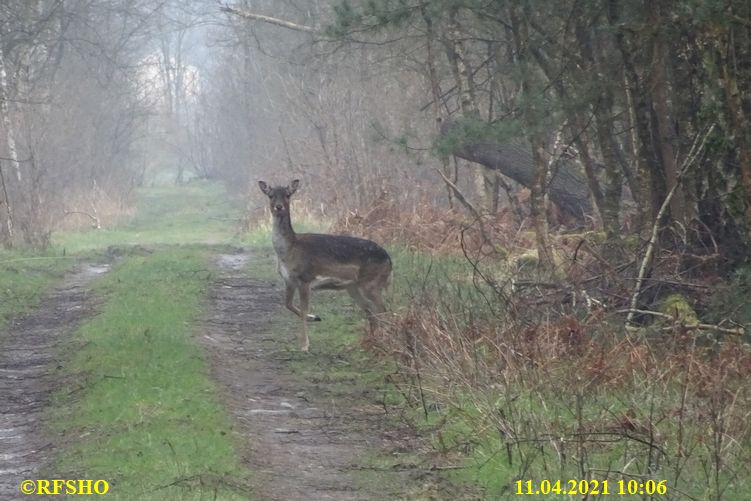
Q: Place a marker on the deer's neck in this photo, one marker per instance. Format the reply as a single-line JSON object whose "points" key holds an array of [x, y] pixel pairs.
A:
{"points": [[282, 235]]}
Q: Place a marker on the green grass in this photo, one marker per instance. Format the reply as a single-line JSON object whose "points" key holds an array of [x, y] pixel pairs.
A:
{"points": [[344, 367], [143, 413], [446, 282], [506, 430], [503, 432], [139, 408], [146, 416], [338, 366], [25, 276], [493, 460], [197, 213]]}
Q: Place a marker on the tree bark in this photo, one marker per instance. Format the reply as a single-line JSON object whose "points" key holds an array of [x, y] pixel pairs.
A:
{"points": [[8, 241], [459, 63], [537, 207], [665, 136], [539, 182], [10, 130], [735, 109], [435, 90], [646, 193]]}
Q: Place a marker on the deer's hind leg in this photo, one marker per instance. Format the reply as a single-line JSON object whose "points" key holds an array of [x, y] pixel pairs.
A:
{"points": [[373, 293], [363, 301]]}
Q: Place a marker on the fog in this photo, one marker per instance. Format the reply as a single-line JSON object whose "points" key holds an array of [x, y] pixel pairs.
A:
{"points": [[552, 205], [101, 97], [443, 105]]}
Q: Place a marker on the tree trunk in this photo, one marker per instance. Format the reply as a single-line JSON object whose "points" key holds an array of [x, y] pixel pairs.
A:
{"points": [[568, 188], [7, 241], [539, 185], [646, 192], [665, 136], [595, 61], [10, 130], [736, 107], [613, 184], [435, 90], [467, 101], [460, 66], [537, 208]]}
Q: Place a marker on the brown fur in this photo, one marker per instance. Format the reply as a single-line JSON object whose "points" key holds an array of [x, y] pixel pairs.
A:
{"points": [[312, 261]]}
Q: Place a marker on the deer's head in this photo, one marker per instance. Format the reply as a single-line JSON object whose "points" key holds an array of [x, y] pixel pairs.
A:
{"points": [[279, 196]]}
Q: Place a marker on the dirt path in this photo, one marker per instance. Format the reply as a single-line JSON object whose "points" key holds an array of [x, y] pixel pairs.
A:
{"points": [[28, 375], [301, 445]]}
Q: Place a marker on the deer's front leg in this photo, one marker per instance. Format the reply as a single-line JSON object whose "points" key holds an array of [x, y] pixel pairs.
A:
{"points": [[304, 292], [289, 303], [289, 297]]}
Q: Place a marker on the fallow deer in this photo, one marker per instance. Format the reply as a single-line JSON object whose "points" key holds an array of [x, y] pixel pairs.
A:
{"points": [[311, 261]]}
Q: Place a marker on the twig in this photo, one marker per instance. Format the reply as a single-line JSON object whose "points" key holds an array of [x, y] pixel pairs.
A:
{"points": [[740, 331], [475, 214], [94, 219], [652, 244]]}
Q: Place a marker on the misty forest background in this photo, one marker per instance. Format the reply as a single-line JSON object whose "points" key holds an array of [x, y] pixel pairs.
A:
{"points": [[585, 163], [598, 108]]}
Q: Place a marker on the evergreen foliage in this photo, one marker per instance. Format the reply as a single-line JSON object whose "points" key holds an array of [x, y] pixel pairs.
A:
{"points": [[631, 86]]}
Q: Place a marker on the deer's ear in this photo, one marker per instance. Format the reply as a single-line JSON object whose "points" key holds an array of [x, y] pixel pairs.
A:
{"points": [[293, 186], [264, 187]]}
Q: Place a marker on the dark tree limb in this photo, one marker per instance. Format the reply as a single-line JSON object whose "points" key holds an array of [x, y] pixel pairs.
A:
{"points": [[568, 187]]}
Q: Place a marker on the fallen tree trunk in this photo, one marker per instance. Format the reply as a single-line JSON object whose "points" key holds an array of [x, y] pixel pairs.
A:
{"points": [[568, 187]]}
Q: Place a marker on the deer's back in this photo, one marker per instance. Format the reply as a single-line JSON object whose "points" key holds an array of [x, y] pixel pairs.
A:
{"points": [[342, 248], [334, 261]]}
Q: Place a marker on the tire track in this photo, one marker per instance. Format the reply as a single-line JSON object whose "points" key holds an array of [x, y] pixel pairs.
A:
{"points": [[29, 373], [301, 446]]}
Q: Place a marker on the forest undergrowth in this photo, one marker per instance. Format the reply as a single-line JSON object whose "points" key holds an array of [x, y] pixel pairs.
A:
{"points": [[519, 374]]}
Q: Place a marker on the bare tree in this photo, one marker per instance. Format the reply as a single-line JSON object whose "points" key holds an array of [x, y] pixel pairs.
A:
{"points": [[72, 111]]}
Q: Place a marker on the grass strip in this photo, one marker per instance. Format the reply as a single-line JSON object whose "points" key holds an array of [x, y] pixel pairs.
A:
{"points": [[198, 213], [25, 276], [147, 418]]}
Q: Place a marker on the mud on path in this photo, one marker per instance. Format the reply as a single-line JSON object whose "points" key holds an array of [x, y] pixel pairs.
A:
{"points": [[29, 368], [300, 444]]}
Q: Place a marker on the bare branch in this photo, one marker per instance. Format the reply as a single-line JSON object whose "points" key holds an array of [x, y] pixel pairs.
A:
{"points": [[690, 158], [267, 19], [471, 208], [740, 331], [94, 220]]}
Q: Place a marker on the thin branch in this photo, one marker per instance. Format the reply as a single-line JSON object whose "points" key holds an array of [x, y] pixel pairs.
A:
{"points": [[740, 331], [459, 195], [94, 219], [690, 158], [475, 214]]}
